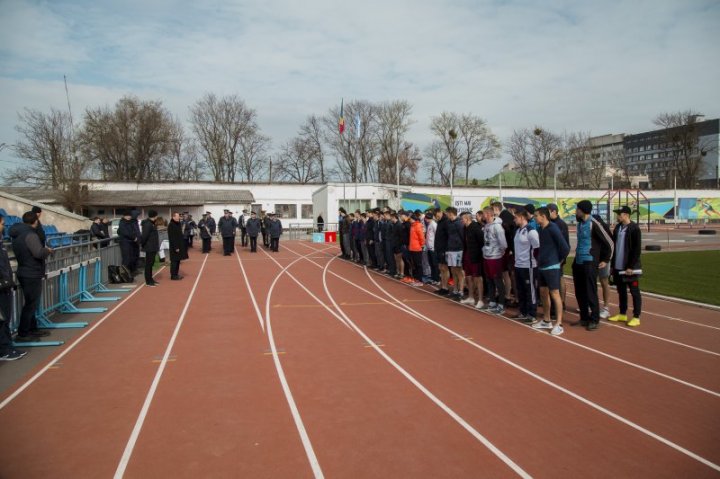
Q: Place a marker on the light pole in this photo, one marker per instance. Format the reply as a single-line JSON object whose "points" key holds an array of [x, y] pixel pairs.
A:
{"points": [[453, 136], [397, 169]]}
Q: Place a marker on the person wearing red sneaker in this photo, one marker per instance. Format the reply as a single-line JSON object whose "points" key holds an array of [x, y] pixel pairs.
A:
{"points": [[626, 266]]}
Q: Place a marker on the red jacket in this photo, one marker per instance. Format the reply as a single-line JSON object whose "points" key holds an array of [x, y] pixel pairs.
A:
{"points": [[417, 237]]}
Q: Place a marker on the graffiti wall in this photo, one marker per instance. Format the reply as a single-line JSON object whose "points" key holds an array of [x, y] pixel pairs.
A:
{"points": [[656, 208]]}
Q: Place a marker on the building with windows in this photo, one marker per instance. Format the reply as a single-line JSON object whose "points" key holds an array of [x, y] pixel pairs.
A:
{"points": [[654, 153]]}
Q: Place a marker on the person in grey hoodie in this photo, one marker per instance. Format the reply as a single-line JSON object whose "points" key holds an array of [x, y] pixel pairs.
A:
{"points": [[493, 252], [30, 255], [275, 231]]}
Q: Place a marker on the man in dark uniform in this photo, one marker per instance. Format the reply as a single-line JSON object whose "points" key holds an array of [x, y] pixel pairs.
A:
{"points": [[210, 222], [253, 229], [243, 229], [275, 230], [204, 234], [178, 247], [150, 242], [127, 235], [227, 226], [266, 221]]}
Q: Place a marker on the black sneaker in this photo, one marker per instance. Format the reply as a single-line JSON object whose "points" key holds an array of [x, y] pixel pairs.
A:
{"points": [[150, 285], [12, 355], [442, 292], [39, 334], [176, 278], [592, 326]]}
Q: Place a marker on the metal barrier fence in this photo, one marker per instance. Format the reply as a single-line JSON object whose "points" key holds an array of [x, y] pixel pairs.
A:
{"points": [[75, 274], [303, 231]]}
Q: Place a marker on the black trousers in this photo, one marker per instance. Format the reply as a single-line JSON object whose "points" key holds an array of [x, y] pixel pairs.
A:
{"points": [[149, 261], [228, 244], [527, 296], [174, 267], [243, 236], [416, 260], [434, 270], [379, 254], [622, 289], [206, 245], [135, 249], [126, 252], [6, 308], [32, 291], [266, 238], [342, 244], [390, 258], [274, 244], [496, 289], [585, 282], [253, 244], [371, 253]]}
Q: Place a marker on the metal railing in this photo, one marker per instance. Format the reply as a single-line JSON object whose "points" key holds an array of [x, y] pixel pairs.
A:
{"points": [[75, 273], [304, 231]]}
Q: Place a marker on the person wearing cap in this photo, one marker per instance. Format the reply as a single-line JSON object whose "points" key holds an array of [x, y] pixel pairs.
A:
{"points": [[227, 226], [265, 230], [128, 238], [243, 230], [150, 242], [594, 250], [275, 230], [560, 223], [40, 231], [178, 246], [252, 226], [210, 223], [205, 235], [626, 266], [189, 227]]}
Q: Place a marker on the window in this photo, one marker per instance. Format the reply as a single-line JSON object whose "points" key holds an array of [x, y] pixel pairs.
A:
{"points": [[100, 212], [286, 211], [352, 205], [306, 211], [382, 203]]}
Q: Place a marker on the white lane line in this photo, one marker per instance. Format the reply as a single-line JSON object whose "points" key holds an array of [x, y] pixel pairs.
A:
{"points": [[560, 388], [70, 347], [659, 338], [455, 416], [252, 296], [321, 302], [304, 438], [130, 446]]}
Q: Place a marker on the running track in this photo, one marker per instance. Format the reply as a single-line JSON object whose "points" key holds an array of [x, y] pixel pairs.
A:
{"points": [[298, 364]]}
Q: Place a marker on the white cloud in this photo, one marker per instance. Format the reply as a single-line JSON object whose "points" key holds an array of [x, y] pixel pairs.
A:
{"points": [[593, 66]]}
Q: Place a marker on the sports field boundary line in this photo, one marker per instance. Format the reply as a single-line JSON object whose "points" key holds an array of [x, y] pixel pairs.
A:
{"points": [[252, 296], [71, 346], [135, 434]]}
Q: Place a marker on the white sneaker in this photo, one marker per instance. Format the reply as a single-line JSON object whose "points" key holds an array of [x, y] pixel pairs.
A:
{"points": [[542, 325], [480, 305], [557, 330], [604, 313], [492, 305], [468, 300]]}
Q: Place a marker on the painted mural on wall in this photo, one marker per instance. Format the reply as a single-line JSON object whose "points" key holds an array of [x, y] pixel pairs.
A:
{"points": [[654, 208]]}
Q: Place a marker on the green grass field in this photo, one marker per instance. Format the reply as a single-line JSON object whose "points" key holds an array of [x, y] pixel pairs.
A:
{"points": [[688, 274]]}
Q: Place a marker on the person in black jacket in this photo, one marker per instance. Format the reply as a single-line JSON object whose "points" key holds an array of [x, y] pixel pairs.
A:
{"points": [[397, 233], [265, 229], [388, 244], [626, 266], [320, 223], [441, 240], [150, 242], [560, 223], [40, 231], [593, 251], [97, 231], [253, 229], [178, 247], [135, 247], [472, 260], [227, 226], [30, 255], [205, 236], [275, 230], [105, 227], [7, 351], [370, 226], [210, 222], [454, 253], [127, 235]]}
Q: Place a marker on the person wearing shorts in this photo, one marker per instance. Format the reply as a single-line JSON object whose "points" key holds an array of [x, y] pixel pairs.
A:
{"points": [[472, 261], [494, 262], [453, 256], [553, 249], [440, 244]]}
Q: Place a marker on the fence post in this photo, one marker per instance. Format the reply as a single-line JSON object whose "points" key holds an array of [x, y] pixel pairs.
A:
{"points": [[85, 295]]}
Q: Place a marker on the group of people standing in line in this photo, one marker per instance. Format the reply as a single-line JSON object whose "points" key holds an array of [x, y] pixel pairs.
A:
{"points": [[504, 256]]}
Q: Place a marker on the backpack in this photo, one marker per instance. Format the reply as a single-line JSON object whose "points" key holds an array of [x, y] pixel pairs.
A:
{"points": [[114, 275]]}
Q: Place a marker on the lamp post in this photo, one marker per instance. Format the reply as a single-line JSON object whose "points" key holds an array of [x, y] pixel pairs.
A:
{"points": [[452, 134], [397, 168]]}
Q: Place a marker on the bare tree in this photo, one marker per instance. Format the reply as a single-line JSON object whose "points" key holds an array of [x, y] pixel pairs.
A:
{"points": [[355, 150], [130, 142], [183, 163], [228, 134], [298, 161], [444, 128], [683, 147], [312, 132], [536, 153], [437, 162], [394, 121], [467, 139]]}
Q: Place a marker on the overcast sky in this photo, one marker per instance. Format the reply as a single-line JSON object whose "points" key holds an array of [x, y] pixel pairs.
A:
{"points": [[602, 67]]}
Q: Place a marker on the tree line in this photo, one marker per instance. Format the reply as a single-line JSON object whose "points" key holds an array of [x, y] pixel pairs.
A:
{"points": [[141, 141]]}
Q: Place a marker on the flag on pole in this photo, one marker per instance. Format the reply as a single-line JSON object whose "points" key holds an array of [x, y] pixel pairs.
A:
{"points": [[341, 121]]}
